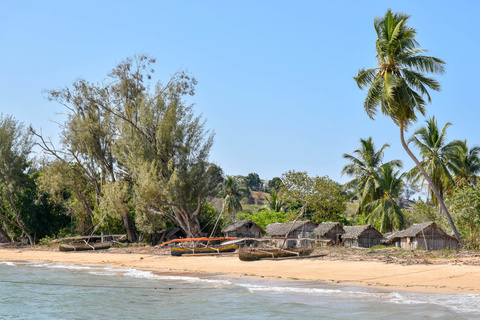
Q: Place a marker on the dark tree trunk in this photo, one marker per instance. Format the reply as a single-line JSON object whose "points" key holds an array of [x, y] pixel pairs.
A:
{"points": [[4, 236], [132, 237]]}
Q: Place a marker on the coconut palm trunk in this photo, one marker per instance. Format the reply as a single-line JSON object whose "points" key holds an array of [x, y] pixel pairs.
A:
{"points": [[398, 84], [443, 207]]}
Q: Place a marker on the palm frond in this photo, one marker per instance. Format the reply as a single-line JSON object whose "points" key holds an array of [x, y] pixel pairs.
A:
{"points": [[423, 63], [374, 96], [401, 67], [365, 77]]}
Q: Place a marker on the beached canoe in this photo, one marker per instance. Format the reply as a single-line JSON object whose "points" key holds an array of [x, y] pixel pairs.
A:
{"points": [[67, 247], [178, 251], [253, 254]]}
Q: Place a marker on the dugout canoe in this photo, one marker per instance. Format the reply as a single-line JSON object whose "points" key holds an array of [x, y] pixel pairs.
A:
{"points": [[253, 254], [68, 247], [178, 251]]}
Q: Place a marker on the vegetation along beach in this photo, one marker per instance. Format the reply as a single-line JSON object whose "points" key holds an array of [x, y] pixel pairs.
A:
{"points": [[124, 206]]}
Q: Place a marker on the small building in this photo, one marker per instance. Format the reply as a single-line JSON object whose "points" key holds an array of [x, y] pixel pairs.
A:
{"points": [[298, 233], [391, 238], [271, 227], [243, 229], [329, 232], [426, 235], [361, 236]]}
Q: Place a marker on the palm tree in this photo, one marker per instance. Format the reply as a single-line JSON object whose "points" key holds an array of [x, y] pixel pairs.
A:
{"points": [[466, 164], [437, 155], [385, 211], [231, 203], [274, 202], [399, 84], [363, 166]]}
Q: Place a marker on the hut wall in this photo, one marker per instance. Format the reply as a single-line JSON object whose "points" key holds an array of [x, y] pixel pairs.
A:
{"points": [[332, 234], [296, 239], [429, 243], [245, 232], [351, 243], [290, 243], [367, 240]]}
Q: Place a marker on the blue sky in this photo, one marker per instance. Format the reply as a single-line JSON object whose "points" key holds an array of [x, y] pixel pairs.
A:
{"points": [[275, 77]]}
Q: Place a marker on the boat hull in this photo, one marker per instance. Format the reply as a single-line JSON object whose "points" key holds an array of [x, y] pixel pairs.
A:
{"points": [[84, 247], [178, 251], [259, 254]]}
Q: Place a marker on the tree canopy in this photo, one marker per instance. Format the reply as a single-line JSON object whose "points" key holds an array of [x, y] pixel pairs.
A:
{"points": [[399, 85], [363, 166], [15, 147], [138, 144], [320, 194]]}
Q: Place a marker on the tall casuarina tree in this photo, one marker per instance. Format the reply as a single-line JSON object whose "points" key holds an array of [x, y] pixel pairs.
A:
{"points": [[398, 85]]}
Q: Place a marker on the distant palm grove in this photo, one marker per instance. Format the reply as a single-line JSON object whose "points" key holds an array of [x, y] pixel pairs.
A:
{"points": [[133, 158]]}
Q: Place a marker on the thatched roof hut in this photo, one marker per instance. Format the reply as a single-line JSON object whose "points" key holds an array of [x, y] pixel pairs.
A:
{"points": [[298, 233], [330, 231], [426, 235], [390, 238], [243, 229], [270, 228], [293, 228], [361, 236], [324, 229]]}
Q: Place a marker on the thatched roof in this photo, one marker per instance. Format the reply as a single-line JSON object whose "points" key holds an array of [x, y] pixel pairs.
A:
{"points": [[239, 224], [287, 227], [325, 227], [354, 232], [270, 228], [391, 237], [417, 229]]}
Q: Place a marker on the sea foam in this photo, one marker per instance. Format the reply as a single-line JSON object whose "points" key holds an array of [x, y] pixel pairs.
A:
{"points": [[463, 303]]}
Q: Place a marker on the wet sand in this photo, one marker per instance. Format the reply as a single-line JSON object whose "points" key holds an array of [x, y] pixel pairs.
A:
{"points": [[449, 277]]}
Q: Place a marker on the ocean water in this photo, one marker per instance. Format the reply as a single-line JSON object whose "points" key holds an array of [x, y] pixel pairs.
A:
{"points": [[31, 290]]}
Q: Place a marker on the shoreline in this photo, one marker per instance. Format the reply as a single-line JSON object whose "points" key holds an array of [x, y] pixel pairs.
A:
{"points": [[445, 278]]}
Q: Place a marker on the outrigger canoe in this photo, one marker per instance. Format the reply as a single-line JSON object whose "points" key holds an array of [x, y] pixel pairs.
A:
{"points": [[253, 254], [196, 240], [178, 251], [67, 247]]}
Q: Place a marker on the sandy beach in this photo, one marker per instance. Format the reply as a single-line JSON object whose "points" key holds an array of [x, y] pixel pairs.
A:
{"points": [[451, 276]]}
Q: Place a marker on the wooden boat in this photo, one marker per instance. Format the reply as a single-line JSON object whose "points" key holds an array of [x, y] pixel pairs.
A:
{"points": [[253, 254], [178, 251], [204, 239], [67, 247]]}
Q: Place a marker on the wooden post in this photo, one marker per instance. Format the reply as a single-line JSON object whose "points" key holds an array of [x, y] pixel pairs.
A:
{"points": [[299, 215], [425, 239]]}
